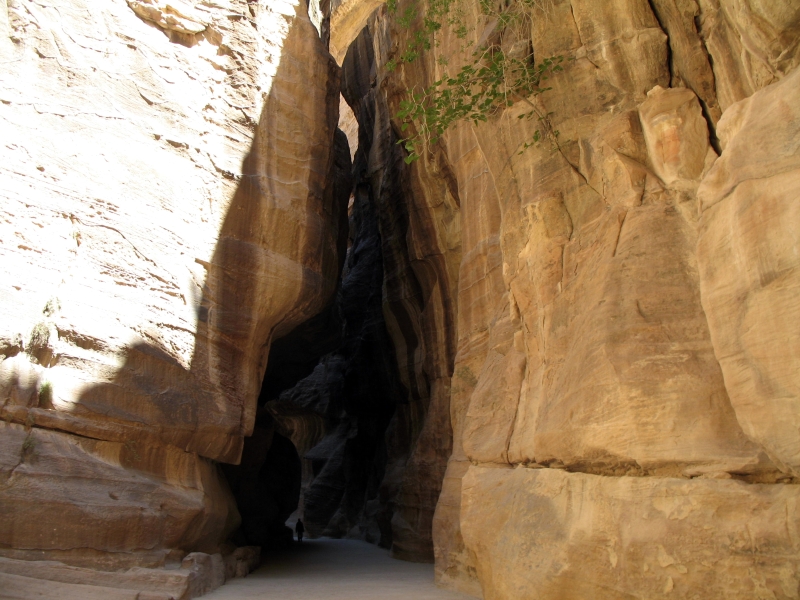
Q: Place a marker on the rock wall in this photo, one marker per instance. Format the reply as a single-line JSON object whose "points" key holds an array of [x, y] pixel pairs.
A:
{"points": [[166, 212], [584, 352], [608, 315], [420, 240], [339, 414]]}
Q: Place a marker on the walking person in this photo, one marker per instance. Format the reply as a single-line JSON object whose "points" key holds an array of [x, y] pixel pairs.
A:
{"points": [[299, 529]]}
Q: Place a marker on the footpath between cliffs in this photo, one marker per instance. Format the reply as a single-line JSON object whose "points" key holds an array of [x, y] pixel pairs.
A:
{"points": [[336, 569]]}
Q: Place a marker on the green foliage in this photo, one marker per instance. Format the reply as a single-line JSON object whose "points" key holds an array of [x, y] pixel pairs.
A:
{"points": [[53, 306], [499, 70], [46, 395]]}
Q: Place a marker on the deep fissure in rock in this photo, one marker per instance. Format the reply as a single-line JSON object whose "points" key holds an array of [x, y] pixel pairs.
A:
{"points": [[335, 423]]}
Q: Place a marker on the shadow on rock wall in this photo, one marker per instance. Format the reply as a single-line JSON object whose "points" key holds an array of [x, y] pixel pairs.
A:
{"points": [[276, 263]]}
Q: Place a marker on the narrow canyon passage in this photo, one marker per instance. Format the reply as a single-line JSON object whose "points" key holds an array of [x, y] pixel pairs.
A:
{"points": [[508, 291], [336, 569]]}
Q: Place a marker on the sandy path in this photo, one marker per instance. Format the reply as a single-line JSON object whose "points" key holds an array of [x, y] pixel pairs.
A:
{"points": [[328, 569]]}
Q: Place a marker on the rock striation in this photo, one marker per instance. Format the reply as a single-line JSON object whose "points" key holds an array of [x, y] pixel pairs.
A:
{"points": [[561, 369], [420, 245], [167, 211], [621, 384]]}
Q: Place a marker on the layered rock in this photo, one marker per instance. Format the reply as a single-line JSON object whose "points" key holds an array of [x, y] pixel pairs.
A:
{"points": [[267, 483], [420, 242], [625, 301], [573, 535], [166, 213], [749, 257], [338, 416]]}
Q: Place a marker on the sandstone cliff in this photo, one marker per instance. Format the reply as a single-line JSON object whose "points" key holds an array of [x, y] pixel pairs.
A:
{"points": [[167, 211], [563, 370], [611, 313]]}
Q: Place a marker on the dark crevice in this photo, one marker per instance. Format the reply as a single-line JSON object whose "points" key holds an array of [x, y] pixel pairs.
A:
{"points": [[331, 389], [339, 411], [675, 79], [663, 27], [712, 130]]}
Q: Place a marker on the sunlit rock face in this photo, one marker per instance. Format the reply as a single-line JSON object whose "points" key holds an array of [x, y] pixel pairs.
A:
{"points": [[165, 214], [623, 371], [749, 256]]}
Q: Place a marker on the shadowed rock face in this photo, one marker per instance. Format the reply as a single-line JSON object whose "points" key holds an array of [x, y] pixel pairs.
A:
{"points": [[267, 482], [167, 211], [417, 302], [569, 371], [623, 338], [339, 414], [373, 440], [266, 486]]}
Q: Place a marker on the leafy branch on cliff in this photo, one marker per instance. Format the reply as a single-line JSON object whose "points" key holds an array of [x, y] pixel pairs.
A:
{"points": [[499, 69]]}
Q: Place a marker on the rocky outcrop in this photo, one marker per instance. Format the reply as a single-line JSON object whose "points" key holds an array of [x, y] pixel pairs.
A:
{"points": [[214, 284], [197, 574], [574, 535], [348, 19], [625, 295], [166, 214], [749, 256]]}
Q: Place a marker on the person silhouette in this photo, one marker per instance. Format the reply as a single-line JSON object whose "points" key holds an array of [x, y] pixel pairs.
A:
{"points": [[299, 529]]}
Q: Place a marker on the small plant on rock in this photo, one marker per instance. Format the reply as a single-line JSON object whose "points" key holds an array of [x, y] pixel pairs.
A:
{"points": [[499, 69], [46, 395], [40, 337]]}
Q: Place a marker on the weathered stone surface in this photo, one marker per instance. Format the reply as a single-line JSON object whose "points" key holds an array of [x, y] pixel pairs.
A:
{"points": [[749, 256], [104, 504], [46, 579], [545, 533], [165, 214], [752, 43], [419, 236], [145, 227], [582, 340], [348, 19], [198, 574], [689, 61]]}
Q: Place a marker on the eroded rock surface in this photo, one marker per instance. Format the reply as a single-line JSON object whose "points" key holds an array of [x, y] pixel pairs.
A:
{"points": [[572, 535], [160, 308], [749, 257], [593, 338], [420, 244], [625, 302], [166, 213]]}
